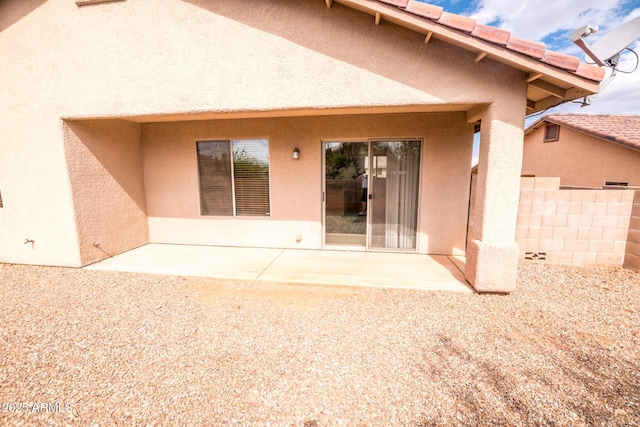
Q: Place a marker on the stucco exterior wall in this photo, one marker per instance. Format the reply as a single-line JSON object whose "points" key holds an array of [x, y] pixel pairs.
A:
{"points": [[580, 159], [149, 61], [161, 57], [172, 192], [36, 194], [104, 162]]}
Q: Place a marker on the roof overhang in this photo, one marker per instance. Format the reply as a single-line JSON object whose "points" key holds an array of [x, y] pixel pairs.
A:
{"points": [[548, 85], [264, 114]]}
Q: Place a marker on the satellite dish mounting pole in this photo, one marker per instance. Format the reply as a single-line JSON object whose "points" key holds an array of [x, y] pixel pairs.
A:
{"points": [[578, 38]]}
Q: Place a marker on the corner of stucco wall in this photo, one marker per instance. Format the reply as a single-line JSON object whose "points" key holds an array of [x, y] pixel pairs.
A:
{"points": [[38, 227], [104, 161]]}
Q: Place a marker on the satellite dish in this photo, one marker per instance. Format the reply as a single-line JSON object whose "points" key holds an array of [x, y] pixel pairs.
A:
{"points": [[615, 41], [606, 50]]}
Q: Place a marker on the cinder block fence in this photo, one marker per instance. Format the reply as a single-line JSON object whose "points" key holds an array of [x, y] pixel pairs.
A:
{"points": [[576, 226]]}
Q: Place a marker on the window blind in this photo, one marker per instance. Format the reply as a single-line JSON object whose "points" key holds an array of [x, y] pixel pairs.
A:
{"points": [[214, 164], [251, 176], [234, 177]]}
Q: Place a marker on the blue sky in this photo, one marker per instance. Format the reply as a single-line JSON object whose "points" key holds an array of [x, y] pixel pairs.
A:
{"points": [[552, 22]]}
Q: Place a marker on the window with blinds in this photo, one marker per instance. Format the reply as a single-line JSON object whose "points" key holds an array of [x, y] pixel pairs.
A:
{"points": [[234, 177]]}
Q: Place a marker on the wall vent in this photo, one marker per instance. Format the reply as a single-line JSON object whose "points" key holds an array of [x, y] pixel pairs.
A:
{"points": [[535, 256], [551, 132], [616, 184]]}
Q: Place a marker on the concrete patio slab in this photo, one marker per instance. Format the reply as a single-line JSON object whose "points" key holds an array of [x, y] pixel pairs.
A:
{"points": [[387, 270], [372, 269], [187, 260]]}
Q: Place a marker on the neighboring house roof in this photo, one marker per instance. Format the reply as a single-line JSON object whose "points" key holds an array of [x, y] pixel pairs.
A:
{"points": [[554, 78], [620, 129]]}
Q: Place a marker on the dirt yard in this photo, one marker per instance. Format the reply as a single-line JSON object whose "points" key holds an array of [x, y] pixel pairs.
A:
{"points": [[82, 347]]}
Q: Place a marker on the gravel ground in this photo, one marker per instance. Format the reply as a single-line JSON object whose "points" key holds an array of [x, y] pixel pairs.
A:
{"points": [[350, 224], [85, 348]]}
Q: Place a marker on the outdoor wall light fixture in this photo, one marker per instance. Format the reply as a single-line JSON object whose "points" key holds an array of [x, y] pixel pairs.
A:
{"points": [[296, 154]]}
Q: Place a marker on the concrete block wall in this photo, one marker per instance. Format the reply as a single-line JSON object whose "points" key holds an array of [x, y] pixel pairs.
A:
{"points": [[574, 226], [632, 257]]}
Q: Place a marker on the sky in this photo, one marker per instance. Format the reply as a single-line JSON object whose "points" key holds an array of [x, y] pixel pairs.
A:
{"points": [[552, 22]]}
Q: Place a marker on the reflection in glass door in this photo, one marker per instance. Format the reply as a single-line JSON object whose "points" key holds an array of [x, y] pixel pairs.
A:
{"points": [[371, 193], [346, 193], [393, 210]]}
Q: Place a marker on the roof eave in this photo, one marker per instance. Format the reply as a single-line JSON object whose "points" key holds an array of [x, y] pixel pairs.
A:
{"points": [[573, 86]]}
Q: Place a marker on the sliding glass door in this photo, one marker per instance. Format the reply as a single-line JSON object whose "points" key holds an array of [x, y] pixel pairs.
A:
{"points": [[393, 210], [371, 193], [345, 198]]}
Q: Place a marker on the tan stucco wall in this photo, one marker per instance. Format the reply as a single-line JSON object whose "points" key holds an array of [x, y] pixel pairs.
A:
{"points": [[172, 193], [104, 161], [171, 56], [580, 159], [492, 254], [157, 60]]}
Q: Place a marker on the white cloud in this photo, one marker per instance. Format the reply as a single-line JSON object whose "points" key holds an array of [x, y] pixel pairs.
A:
{"points": [[535, 20]]}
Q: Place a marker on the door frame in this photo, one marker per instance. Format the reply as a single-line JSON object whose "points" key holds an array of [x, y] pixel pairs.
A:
{"points": [[366, 247], [323, 180]]}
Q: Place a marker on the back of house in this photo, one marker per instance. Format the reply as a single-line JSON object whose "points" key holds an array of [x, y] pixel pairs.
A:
{"points": [[254, 123]]}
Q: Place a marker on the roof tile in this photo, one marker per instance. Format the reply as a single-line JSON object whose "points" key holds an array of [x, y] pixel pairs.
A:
{"points": [[424, 9], [491, 34], [533, 49], [590, 72], [458, 22], [500, 37], [561, 60]]}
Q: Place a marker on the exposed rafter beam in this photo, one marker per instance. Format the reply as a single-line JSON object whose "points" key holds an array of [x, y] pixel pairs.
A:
{"points": [[549, 88], [534, 76], [428, 38], [552, 101], [481, 56], [531, 105], [378, 18]]}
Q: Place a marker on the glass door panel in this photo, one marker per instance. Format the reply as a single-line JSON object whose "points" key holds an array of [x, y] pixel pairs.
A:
{"points": [[346, 193], [393, 204]]}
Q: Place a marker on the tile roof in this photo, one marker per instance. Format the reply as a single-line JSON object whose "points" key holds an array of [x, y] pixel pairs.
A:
{"points": [[499, 37], [621, 129]]}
